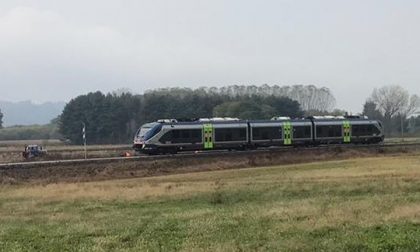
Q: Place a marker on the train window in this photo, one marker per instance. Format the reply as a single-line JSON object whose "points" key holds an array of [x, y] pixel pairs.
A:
{"points": [[266, 133], [358, 130], [175, 134], [182, 136], [196, 134], [301, 131], [374, 130], [230, 134], [185, 134], [329, 131], [167, 137], [364, 130]]}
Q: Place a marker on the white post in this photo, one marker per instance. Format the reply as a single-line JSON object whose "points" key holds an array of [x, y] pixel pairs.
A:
{"points": [[402, 128], [84, 138]]}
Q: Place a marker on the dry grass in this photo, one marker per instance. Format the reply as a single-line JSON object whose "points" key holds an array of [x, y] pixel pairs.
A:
{"points": [[358, 204], [19, 143], [344, 173], [127, 190]]}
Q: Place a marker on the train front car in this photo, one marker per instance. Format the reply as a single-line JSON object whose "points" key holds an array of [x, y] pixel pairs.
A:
{"points": [[144, 133], [195, 135], [175, 136], [347, 130]]}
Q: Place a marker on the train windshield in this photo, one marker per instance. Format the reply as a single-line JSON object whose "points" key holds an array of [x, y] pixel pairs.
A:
{"points": [[144, 128], [152, 131]]}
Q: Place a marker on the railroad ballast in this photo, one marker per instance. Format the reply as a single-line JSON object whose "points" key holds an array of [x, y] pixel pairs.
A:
{"points": [[172, 136]]}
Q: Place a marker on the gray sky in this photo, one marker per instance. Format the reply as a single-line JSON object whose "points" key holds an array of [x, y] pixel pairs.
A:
{"points": [[54, 50]]}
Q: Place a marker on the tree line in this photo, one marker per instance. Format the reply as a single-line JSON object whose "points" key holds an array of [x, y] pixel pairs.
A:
{"points": [[396, 108], [115, 117]]}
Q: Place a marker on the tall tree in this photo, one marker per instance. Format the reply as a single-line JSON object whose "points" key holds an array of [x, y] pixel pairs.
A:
{"points": [[108, 118], [244, 110], [371, 111], [309, 97], [114, 117], [258, 108], [390, 100], [394, 101]]}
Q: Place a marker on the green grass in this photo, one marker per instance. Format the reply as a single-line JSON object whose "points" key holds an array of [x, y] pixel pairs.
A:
{"points": [[366, 204]]}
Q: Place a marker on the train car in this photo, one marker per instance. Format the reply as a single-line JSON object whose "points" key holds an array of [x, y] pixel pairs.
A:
{"points": [[226, 134], [345, 130], [280, 131], [171, 136]]}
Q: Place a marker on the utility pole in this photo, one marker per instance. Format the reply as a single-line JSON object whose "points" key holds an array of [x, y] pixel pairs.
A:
{"points": [[84, 138]]}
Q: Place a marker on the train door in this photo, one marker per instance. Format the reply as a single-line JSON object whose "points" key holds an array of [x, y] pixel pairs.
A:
{"points": [[287, 133], [208, 136], [346, 131]]}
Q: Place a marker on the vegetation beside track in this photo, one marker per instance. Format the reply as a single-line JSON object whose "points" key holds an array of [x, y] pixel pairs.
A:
{"points": [[357, 204], [11, 151], [30, 132], [146, 166]]}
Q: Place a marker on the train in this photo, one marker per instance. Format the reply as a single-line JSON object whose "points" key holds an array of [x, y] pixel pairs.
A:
{"points": [[170, 136]]}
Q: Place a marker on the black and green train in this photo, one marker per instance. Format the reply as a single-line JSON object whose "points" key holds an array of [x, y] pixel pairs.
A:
{"points": [[172, 136]]}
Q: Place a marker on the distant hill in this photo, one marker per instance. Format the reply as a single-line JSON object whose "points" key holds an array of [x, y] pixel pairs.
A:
{"points": [[27, 112]]}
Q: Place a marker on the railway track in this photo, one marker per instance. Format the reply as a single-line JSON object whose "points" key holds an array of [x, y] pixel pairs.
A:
{"points": [[5, 166], [71, 149]]}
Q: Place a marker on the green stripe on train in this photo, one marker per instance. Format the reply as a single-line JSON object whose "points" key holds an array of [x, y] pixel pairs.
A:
{"points": [[287, 133], [208, 135], [347, 131]]}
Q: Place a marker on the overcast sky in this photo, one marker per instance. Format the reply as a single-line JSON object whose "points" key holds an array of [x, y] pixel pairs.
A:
{"points": [[54, 50]]}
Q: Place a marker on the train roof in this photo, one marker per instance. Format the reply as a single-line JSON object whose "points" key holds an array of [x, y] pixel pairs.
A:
{"points": [[342, 119], [281, 120], [229, 120], [176, 122], [201, 122]]}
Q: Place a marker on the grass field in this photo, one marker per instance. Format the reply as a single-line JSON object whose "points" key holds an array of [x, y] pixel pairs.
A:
{"points": [[359, 204]]}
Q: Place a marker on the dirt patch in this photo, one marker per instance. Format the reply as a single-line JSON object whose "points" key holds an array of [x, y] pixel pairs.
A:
{"points": [[91, 171]]}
